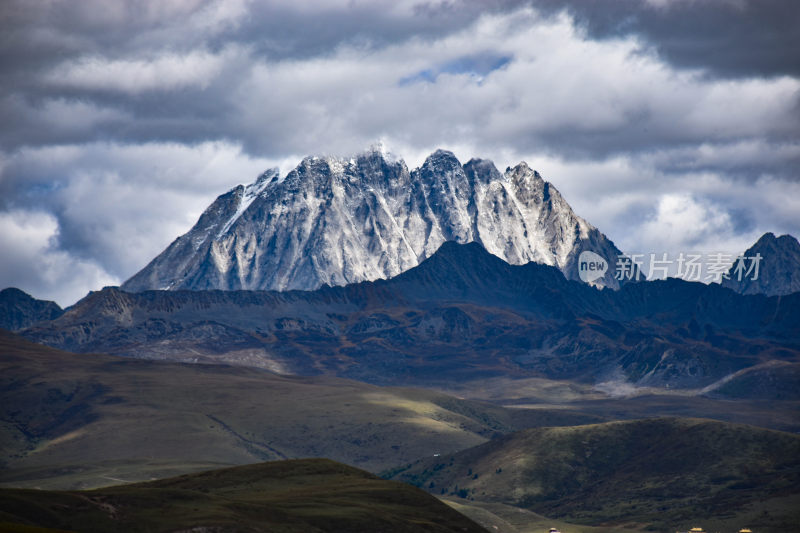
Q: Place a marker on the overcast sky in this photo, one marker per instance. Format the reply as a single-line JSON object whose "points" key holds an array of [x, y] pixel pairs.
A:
{"points": [[671, 125]]}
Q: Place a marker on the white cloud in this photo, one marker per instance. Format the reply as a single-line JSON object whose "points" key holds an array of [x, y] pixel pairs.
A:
{"points": [[746, 155], [560, 91], [665, 4], [681, 220], [164, 72], [56, 119], [118, 206], [34, 264]]}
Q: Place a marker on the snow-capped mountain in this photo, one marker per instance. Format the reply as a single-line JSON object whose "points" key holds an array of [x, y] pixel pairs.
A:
{"points": [[338, 221]]}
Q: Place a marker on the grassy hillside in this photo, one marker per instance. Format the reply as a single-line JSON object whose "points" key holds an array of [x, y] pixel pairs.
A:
{"points": [[757, 398], [501, 518], [80, 421], [665, 473], [308, 496]]}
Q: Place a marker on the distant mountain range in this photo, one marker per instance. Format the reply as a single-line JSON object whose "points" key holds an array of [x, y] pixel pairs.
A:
{"points": [[339, 221], [462, 314], [507, 303]]}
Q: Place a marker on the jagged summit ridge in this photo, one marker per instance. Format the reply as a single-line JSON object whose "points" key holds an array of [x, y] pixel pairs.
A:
{"points": [[343, 220]]}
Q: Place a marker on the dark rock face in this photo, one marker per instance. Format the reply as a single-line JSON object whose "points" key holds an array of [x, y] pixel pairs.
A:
{"points": [[460, 315], [19, 310], [778, 270], [333, 222]]}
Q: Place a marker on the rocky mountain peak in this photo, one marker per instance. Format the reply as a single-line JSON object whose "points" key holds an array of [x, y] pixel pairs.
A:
{"points": [[777, 271], [342, 220], [269, 176], [19, 310], [528, 184], [522, 172], [442, 155], [768, 241], [481, 171], [442, 171]]}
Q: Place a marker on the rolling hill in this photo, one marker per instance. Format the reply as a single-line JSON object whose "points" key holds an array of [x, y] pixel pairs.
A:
{"points": [[665, 473], [308, 496], [78, 421]]}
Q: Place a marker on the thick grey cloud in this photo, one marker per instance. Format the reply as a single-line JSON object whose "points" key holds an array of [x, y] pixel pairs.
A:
{"points": [[122, 120], [729, 38]]}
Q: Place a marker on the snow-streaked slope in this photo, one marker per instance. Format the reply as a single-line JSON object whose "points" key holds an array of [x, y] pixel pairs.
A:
{"points": [[338, 221], [250, 193]]}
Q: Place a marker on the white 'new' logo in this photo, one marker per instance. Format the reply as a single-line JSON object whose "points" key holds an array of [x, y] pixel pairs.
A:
{"points": [[591, 266]]}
